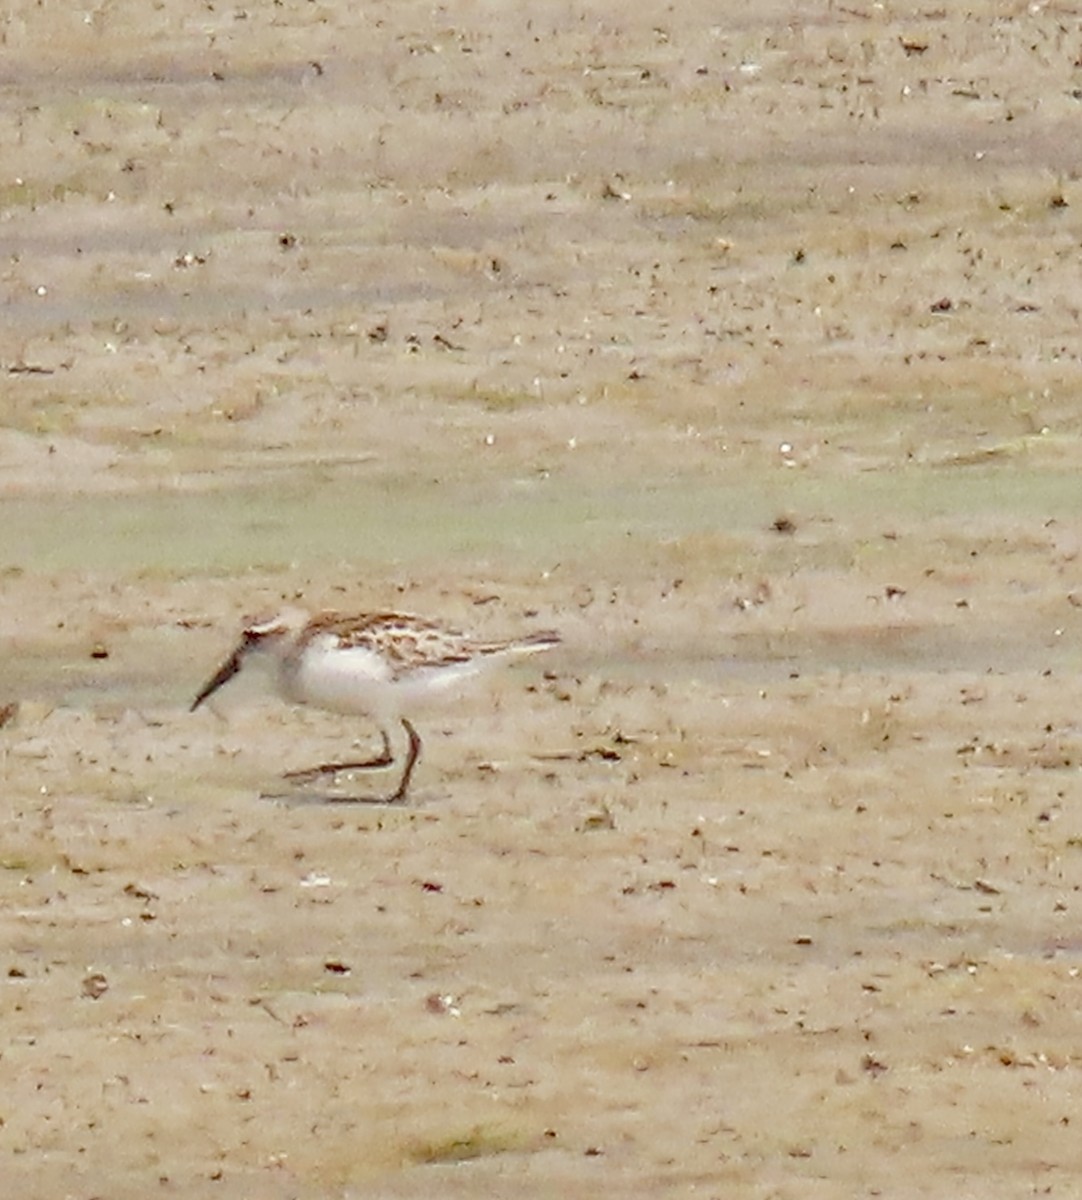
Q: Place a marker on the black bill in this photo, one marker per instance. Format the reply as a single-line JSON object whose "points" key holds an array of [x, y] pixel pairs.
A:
{"points": [[223, 675]]}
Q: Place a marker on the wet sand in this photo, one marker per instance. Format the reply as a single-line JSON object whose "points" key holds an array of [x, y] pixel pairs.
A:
{"points": [[741, 348]]}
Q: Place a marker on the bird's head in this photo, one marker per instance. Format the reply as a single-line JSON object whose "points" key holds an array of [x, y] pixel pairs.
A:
{"points": [[262, 636]]}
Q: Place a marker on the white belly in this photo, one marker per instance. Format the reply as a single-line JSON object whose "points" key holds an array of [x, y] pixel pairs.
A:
{"points": [[357, 681]]}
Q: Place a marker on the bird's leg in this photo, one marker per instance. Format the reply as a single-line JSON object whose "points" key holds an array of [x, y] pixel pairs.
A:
{"points": [[384, 759], [413, 753], [385, 756]]}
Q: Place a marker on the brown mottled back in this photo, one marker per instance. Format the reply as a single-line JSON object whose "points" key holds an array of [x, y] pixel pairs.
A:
{"points": [[408, 643]]}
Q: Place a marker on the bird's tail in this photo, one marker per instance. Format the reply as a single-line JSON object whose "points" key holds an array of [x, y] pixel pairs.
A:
{"points": [[543, 640], [532, 643]]}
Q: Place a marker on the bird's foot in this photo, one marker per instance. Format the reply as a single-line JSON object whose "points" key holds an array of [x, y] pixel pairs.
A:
{"points": [[298, 799], [311, 774]]}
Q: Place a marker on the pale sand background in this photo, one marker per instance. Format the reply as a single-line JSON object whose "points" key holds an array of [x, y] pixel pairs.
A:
{"points": [[739, 342]]}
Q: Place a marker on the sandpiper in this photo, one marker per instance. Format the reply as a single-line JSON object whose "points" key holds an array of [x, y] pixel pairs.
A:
{"points": [[373, 664]]}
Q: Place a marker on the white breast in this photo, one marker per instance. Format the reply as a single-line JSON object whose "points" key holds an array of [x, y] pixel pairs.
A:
{"points": [[345, 681]]}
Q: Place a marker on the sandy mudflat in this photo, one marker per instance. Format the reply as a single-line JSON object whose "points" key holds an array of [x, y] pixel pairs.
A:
{"points": [[738, 342]]}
